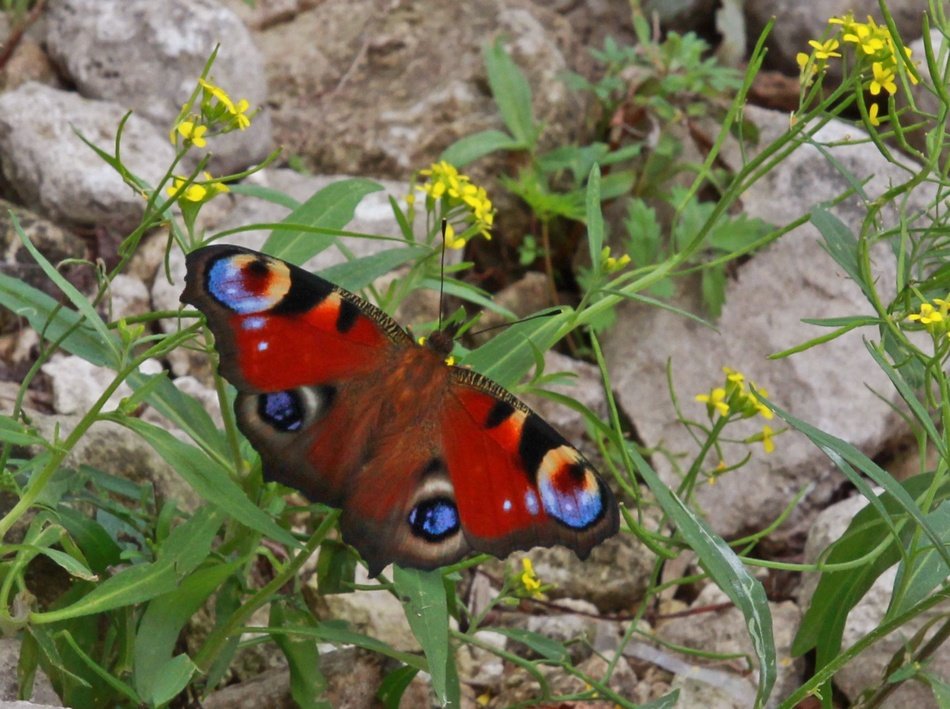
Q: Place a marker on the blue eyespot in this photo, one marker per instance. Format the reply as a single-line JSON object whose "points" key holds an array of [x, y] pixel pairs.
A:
{"points": [[282, 410], [434, 519], [228, 284], [572, 496]]}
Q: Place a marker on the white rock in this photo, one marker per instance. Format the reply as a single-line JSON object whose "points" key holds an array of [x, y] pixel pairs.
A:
{"points": [[115, 49], [78, 384], [55, 173]]}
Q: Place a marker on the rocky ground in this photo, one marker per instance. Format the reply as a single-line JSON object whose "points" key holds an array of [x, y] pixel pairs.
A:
{"points": [[375, 88]]}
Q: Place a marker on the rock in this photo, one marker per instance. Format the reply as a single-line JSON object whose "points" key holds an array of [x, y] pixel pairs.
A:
{"points": [[28, 61], [833, 386], [115, 49], [379, 615], [387, 91], [725, 631], [78, 384], [128, 297], [585, 386], [613, 578], [61, 177], [43, 694], [870, 667], [797, 22]]}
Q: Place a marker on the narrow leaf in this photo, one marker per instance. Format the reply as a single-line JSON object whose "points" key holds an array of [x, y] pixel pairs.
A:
{"points": [[332, 207]]}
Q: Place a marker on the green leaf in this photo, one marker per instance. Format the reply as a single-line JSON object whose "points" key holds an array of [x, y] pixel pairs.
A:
{"points": [[722, 564], [472, 147], [209, 479], [544, 646], [18, 434], [267, 194], [423, 597], [337, 632], [872, 529], [181, 409], [82, 304], [189, 544], [509, 356], [925, 570], [359, 273], [848, 321], [840, 244], [844, 455], [162, 622], [332, 207], [99, 548], [52, 320], [307, 683], [72, 566], [713, 285], [512, 94], [336, 567], [595, 218], [133, 585], [394, 686], [171, 679]]}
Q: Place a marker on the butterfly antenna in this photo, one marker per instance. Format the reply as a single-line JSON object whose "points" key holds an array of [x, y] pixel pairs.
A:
{"points": [[555, 311], [442, 275]]}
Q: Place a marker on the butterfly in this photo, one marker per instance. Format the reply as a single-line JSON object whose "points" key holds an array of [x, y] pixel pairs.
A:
{"points": [[427, 461]]}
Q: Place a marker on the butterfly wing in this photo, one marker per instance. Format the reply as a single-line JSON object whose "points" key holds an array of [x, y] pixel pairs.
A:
{"points": [[518, 482]]}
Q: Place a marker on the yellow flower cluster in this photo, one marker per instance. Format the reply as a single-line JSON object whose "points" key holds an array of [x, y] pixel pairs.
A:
{"points": [[935, 316], [459, 195], [217, 106], [216, 111], [735, 399], [199, 191], [876, 48]]}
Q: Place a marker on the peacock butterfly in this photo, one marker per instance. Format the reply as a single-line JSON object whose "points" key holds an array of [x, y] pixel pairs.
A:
{"points": [[427, 461]]}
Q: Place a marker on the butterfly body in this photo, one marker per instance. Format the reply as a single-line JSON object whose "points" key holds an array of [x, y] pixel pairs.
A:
{"points": [[427, 461]]}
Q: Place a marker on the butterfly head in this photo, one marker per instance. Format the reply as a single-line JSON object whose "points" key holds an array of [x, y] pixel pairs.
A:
{"points": [[442, 341]]}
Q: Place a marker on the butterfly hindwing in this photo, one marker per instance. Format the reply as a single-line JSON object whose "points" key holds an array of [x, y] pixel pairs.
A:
{"points": [[518, 482]]}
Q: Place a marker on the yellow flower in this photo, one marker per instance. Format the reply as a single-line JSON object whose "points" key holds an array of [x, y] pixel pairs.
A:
{"points": [[193, 133], [240, 119], [195, 192], [872, 114], [767, 444], [451, 240], [930, 317], [611, 264], [715, 400], [529, 579], [824, 50], [733, 376], [883, 79], [217, 92]]}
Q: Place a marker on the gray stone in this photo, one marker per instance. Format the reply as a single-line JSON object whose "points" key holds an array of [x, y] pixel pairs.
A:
{"points": [[53, 172], [117, 49], [388, 90], [43, 694], [831, 386]]}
